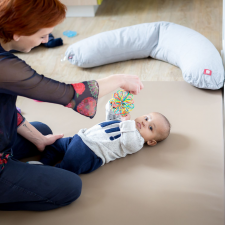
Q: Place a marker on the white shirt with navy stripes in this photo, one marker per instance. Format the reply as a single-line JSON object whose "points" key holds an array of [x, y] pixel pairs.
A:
{"points": [[113, 139]]}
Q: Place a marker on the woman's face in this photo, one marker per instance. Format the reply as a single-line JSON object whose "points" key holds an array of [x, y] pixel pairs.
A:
{"points": [[26, 43]]}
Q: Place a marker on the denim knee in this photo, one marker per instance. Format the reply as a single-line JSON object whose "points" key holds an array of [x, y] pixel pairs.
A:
{"points": [[72, 188], [42, 127]]}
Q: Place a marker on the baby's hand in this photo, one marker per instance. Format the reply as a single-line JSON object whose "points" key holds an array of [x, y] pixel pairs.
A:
{"points": [[124, 118]]}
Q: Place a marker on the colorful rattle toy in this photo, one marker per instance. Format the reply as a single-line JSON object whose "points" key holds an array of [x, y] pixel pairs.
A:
{"points": [[122, 102]]}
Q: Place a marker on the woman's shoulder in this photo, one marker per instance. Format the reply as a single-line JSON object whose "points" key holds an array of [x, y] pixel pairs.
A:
{"points": [[13, 68], [7, 55], [9, 60]]}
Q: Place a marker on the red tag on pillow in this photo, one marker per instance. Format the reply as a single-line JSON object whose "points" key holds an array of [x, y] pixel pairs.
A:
{"points": [[207, 72]]}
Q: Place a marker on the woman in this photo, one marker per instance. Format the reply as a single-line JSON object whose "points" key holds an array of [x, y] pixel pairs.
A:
{"points": [[24, 25]]}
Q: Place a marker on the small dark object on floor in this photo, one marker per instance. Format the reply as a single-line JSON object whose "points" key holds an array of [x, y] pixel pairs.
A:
{"points": [[52, 42]]}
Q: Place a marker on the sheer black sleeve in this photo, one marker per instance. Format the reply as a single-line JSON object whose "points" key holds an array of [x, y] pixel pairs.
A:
{"points": [[18, 78]]}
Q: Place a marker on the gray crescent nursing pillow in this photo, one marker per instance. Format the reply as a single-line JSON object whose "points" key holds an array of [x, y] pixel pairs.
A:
{"points": [[195, 55]]}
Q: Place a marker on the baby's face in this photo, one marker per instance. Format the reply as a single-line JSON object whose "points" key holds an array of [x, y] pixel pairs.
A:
{"points": [[151, 127]]}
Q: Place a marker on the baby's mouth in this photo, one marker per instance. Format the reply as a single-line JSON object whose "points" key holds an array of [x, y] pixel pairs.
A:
{"points": [[139, 125]]}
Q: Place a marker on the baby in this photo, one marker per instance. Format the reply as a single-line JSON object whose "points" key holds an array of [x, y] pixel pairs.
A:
{"points": [[112, 139]]}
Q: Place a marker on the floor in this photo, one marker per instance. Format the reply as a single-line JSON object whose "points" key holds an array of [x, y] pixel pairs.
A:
{"points": [[204, 16]]}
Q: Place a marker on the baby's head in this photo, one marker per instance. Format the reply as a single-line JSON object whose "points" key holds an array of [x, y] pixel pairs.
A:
{"points": [[153, 127]]}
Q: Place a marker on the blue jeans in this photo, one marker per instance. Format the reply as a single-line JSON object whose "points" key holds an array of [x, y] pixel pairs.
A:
{"points": [[25, 186], [76, 156]]}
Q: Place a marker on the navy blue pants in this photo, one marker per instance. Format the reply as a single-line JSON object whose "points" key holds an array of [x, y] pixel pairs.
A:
{"points": [[35, 187], [76, 156]]}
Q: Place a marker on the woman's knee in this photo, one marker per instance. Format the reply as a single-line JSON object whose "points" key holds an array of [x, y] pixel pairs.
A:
{"points": [[71, 190], [42, 127]]}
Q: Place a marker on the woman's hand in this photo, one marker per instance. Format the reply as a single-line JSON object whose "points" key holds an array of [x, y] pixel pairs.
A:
{"points": [[131, 83], [30, 133], [48, 140]]}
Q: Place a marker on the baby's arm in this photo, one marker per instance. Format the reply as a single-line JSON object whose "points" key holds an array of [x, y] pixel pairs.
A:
{"points": [[124, 118], [110, 115], [130, 138]]}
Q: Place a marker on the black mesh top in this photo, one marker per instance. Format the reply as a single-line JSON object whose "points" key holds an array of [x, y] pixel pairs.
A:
{"points": [[18, 78]]}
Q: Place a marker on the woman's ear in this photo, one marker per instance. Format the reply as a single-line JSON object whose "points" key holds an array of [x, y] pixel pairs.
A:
{"points": [[16, 37], [152, 142]]}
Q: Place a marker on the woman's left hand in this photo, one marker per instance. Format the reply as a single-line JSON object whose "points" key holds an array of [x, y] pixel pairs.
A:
{"points": [[30, 133], [48, 140]]}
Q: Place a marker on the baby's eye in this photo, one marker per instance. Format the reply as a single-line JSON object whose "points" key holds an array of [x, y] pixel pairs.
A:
{"points": [[146, 118], [150, 127]]}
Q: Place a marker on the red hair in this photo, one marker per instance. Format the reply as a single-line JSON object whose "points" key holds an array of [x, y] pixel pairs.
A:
{"points": [[27, 17]]}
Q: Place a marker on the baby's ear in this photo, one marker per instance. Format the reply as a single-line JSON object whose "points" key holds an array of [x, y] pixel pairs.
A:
{"points": [[152, 142]]}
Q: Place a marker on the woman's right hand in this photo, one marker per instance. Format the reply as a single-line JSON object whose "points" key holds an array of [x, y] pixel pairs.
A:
{"points": [[131, 83]]}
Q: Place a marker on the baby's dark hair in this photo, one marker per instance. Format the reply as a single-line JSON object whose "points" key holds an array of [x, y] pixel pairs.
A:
{"points": [[168, 128]]}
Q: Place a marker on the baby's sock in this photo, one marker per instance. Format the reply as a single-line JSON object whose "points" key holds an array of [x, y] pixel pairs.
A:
{"points": [[53, 42]]}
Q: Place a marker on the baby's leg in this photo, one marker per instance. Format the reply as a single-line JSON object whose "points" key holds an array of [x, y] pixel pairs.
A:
{"points": [[79, 158], [55, 152]]}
